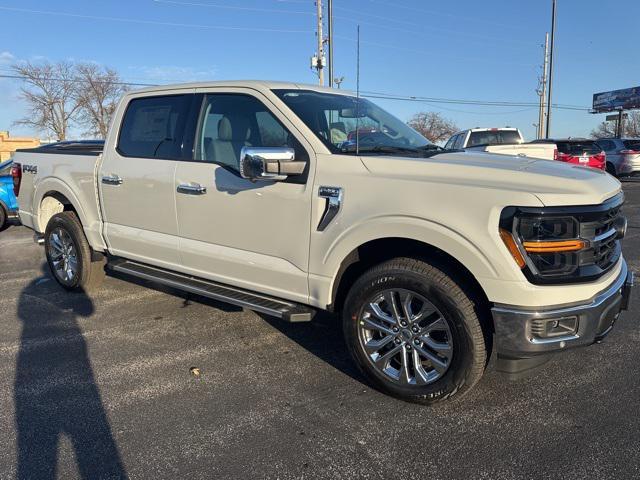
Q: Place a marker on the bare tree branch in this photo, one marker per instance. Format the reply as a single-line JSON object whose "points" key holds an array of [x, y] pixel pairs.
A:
{"points": [[49, 92], [432, 126], [608, 129], [97, 94]]}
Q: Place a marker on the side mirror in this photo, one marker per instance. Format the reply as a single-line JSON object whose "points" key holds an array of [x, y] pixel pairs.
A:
{"points": [[269, 163]]}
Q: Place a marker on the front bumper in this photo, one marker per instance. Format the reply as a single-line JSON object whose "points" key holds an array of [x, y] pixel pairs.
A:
{"points": [[524, 333]]}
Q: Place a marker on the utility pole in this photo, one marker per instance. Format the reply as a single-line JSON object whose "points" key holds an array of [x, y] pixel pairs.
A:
{"points": [[542, 115], [330, 40], [320, 60], [550, 85]]}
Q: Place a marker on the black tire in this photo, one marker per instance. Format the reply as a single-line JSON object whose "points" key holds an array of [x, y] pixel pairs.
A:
{"points": [[611, 169], [3, 219], [469, 350], [89, 272]]}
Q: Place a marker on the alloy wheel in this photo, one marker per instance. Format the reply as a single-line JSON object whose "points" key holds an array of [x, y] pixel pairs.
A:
{"points": [[63, 255], [405, 337]]}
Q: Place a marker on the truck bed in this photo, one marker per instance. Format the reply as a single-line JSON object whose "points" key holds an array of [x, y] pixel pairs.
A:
{"points": [[80, 147], [71, 174]]}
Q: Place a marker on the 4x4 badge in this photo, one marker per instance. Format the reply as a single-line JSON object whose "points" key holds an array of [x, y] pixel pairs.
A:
{"points": [[334, 201]]}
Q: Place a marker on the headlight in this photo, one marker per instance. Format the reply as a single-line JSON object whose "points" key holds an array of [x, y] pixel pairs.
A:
{"points": [[536, 229], [564, 244]]}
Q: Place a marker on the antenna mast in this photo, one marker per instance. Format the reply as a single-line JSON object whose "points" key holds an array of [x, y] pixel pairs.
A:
{"points": [[358, 93]]}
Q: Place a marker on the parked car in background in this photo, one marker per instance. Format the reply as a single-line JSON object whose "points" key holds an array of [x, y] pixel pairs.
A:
{"points": [[483, 137], [8, 201], [502, 141], [581, 151], [623, 155]]}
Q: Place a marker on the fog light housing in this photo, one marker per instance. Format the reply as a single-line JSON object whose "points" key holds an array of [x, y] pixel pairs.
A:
{"points": [[554, 327]]}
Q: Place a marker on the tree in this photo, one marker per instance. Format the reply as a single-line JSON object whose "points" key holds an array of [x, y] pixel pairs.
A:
{"points": [[432, 126], [50, 94], [608, 129], [98, 90]]}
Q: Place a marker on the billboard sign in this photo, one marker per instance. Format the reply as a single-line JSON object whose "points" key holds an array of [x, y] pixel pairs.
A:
{"points": [[625, 99]]}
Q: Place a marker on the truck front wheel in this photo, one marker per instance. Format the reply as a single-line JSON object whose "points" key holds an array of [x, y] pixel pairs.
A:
{"points": [[69, 254], [414, 332]]}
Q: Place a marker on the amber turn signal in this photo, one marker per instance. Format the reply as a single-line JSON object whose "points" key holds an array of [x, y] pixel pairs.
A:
{"points": [[554, 247], [510, 243]]}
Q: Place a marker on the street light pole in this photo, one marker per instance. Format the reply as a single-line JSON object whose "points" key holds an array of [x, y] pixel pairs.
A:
{"points": [[550, 86], [330, 28], [320, 60]]}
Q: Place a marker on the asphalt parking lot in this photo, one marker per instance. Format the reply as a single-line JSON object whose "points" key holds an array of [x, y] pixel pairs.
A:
{"points": [[101, 386]]}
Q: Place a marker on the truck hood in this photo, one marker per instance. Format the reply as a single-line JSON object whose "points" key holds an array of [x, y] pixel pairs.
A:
{"points": [[552, 182]]}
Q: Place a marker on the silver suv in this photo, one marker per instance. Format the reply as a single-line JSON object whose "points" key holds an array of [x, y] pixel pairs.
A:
{"points": [[623, 156]]}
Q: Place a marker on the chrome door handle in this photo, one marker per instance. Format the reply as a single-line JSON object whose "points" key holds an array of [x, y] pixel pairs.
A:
{"points": [[112, 180], [192, 189]]}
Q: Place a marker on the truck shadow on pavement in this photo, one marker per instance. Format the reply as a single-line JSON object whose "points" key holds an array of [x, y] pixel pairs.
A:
{"points": [[55, 391], [323, 338]]}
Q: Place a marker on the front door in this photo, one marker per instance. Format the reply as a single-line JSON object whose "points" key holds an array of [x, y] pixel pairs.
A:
{"points": [[137, 178], [253, 235]]}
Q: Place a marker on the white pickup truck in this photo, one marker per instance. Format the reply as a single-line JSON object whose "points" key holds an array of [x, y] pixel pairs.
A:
{"points": [[501, 141], [287, 198]]}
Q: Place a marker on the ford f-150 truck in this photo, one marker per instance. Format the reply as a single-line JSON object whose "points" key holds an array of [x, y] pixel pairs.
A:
{"points": [[264, 195]]}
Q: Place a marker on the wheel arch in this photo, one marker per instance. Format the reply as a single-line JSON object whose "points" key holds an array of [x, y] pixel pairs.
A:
{"points": [[379, 250]]}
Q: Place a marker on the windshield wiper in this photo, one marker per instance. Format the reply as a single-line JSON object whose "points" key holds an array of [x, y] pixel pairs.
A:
{"points": [[380, 149]]}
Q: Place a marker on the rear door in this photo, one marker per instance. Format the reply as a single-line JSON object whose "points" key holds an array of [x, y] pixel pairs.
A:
{"points": [[136, 178], [253, 235]]}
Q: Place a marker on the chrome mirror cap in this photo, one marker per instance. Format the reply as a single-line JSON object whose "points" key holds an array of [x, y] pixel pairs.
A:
{"points": [[269, 163]]}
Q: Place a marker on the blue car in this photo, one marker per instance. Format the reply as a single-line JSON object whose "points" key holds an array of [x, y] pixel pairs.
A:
{"points": [[8, 201]]}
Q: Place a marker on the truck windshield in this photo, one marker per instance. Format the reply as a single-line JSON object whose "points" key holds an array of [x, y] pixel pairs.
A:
{"points": [[493, 137], [340, 121]]}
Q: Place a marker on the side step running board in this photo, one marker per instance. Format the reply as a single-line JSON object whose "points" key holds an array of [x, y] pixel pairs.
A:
{"points": [[289, 311]]}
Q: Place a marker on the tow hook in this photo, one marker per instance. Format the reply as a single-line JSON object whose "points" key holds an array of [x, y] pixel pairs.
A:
{"points": [[38, 238]]}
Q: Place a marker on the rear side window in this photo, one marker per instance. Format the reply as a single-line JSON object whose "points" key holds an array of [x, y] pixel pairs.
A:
{"points": [[582, 147], [153, 127], [606, 145], [632, 144], [494, 137]]}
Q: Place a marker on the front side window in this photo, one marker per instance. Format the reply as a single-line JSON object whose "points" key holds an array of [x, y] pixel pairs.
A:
{"points": [[229, 122], [459, 141], [451, 142], [342, 121], [153, 127]]}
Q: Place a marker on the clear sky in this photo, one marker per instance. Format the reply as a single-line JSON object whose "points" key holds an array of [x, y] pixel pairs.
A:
{"points": [[461, 49]]}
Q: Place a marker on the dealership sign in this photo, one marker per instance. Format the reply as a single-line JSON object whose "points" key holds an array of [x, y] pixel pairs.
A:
{"points": [[625, 99]]}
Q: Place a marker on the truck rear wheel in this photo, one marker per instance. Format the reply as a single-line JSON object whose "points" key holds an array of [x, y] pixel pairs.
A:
{"points": [[69, 255], [414, 332]]}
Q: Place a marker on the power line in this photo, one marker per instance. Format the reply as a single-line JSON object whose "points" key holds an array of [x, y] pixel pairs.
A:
{"points": [[369, 94], [428, 100], [431, 54], [233, 7], [150, 22], [79, 80]]}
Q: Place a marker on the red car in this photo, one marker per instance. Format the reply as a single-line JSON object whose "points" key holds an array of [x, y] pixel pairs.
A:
{"points": [[580, 151]]}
